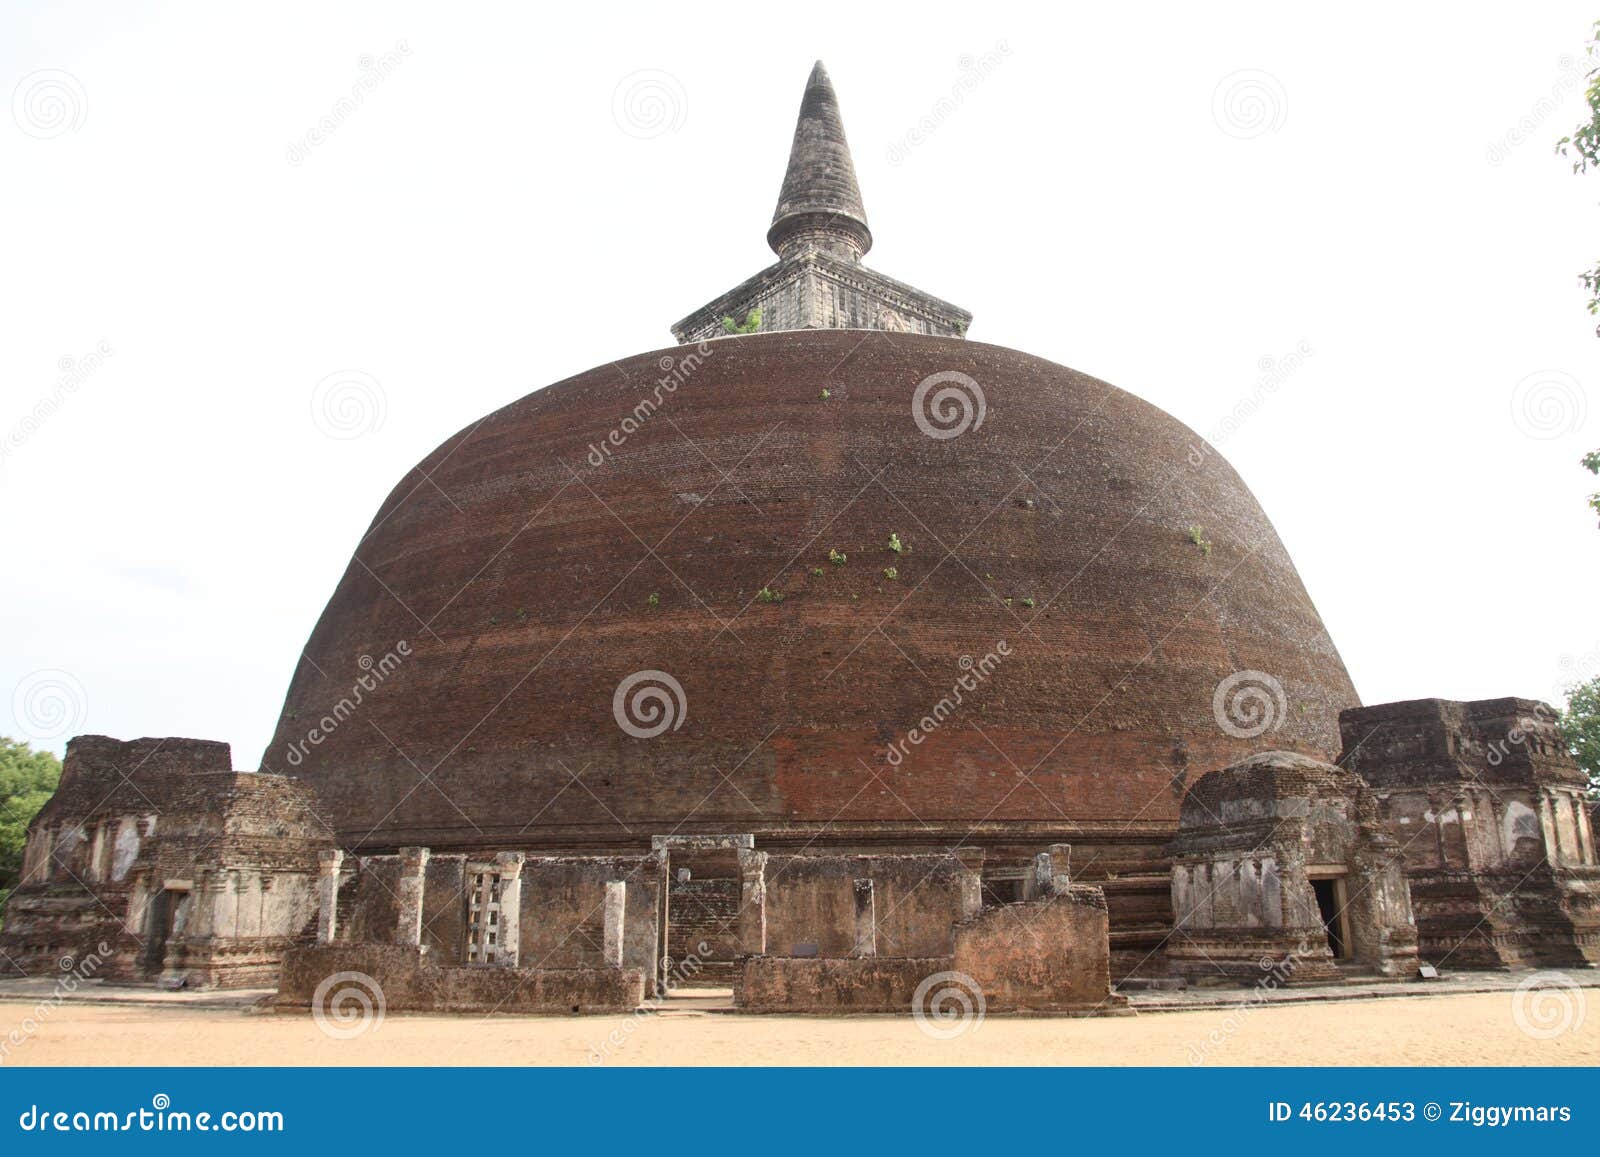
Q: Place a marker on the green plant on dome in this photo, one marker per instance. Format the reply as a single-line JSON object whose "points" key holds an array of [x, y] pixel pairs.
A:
{"points": [[751, 323]]}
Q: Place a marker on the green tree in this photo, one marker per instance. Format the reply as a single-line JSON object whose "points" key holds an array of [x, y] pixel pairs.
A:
{"points": [[1583, 148], [1580, 726], [27, 779]]}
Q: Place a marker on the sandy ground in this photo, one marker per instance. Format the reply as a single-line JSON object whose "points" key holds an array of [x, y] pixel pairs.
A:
{"points": [[1441, 1030]]}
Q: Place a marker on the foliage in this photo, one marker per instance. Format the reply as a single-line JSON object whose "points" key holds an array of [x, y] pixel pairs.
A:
{"points": [[895, 544], [826, 393], [1580, 727], [890, 573], [1197, 535], [1591, 462], [768, 595], [27, 779], [1583, 147], [654, 600], [837, 557], [751, 323], [1027, 601]]}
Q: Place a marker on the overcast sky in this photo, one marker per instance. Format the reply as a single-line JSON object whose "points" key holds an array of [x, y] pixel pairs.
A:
{"points": [[1356, 223]]}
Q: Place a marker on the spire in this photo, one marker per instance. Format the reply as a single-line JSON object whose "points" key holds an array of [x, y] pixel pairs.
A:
{"points": [[820, 205], [820, 232]]}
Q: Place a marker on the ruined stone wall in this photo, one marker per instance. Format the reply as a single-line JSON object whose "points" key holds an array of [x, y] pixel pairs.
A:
{"points": [[1044, 955], [563, 911], [192, 872], [400, 978], [811, 907], [1253, 838], [561, 908], [1490, 811], [790, 984], [1050, 953]]}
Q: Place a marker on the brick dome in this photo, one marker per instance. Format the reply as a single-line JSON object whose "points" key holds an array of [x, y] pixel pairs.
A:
{"points": [[474, 660]]}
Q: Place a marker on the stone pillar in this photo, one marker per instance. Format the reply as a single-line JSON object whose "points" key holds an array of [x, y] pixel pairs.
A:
{"points": [[329, 861], [1580, 824], [225, 916], [138, 903], [508, 867], [1547, 826], [1044, 883], [408, 896], [971, 878], [1061, 867], [866, 920], [752, 902], [31, 858], [615, 918], [205, 897], [97, 853], [47, 855]]}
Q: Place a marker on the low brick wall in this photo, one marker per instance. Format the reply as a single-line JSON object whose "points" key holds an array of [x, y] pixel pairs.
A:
{"points": [[1047, 955], [809, 984], [409, 982]]}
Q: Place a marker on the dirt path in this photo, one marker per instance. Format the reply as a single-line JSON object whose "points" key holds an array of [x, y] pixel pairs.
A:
{"points": [[1442, 1030]]}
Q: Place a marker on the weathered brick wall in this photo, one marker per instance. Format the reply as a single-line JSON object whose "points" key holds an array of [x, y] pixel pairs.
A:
{"points": [[563, 911], [1488, 806], [1050, 954], [811, 909], [398, 978], [1243, 859], [139, 827], [1105, 702], [788, 984], [704, 924]]}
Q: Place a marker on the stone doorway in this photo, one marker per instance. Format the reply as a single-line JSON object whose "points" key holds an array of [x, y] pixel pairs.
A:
{"points": [[169, 912], [701, 895], [1333, 909]]}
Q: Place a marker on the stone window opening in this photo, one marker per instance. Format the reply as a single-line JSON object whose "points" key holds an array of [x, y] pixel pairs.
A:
{"points": [[1000, 890], [490, 928]]}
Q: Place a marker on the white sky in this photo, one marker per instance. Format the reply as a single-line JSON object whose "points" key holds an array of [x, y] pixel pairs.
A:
{"points": [[482, 226]]}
